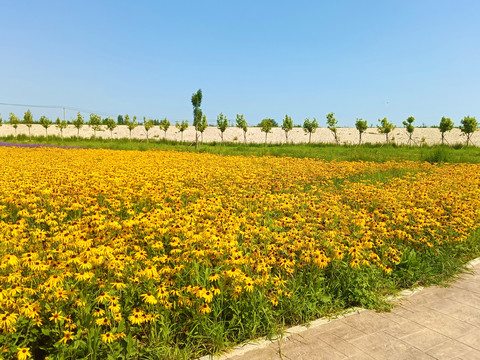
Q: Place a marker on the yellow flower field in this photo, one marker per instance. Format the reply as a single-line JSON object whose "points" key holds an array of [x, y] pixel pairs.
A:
{"points": [[171, 254]]}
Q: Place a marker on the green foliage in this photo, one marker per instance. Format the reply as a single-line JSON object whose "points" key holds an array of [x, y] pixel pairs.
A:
{"points": [[95, 123], [111, 125], [45, 122], [14, 121], [197, 113], [147, 124], [361, 126], [164, 125], [1, 121], [287, 126], [78, 123], [385, 127], [409, 127], [202, 126], [182, 126], [468, 127], [222, 123], [332, 125], [446, 124], [131, 124], [266, 126], [120, 120], [60, 125], [242, 124], [28, 118], [310, 127]]}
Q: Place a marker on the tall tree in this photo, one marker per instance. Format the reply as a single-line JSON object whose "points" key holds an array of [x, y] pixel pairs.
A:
{"points": [[385, 127], [147, 124], [468, 127], [287, 126], [78, 123], [182, 127], [361, 126], [332, 125], [14, 121], [242, 124], [164, 125], [95, 123], [28, 120], [61, 125], [446, 124], [222, 124], [197, 113], [120, 120], [310, 127], [409, 127], [45, 122], [266, 126], [111, 125]]}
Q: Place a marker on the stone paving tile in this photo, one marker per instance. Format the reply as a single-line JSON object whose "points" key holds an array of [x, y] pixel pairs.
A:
{"points": [[424, 339], [381, 345], [454, 309], [450, 349], [369, 322], [404, 329], [471, 339], [467, 297], [472, 285]]}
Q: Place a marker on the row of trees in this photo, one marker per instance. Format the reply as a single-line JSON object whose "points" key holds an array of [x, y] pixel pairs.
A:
{"points": [[468, 124]]}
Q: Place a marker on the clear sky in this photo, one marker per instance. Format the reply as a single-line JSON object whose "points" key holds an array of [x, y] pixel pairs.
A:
{"points": [[365, 59]]}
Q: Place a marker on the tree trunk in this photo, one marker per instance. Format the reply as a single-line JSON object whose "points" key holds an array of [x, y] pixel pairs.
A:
{"points": [[222, 136], [245, 137], [468, 139], [266, 133], [310, 138], [29, 136], [386, 135], [286, 137], [359, 137], [443, 136], [182, 137], [46, 134]]}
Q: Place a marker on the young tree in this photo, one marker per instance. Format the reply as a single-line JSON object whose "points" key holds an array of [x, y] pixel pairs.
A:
{"points": [[147, 124], [468, 127], [28, 120], [409, 126], [60, 125], [310, 127], [332, 125], [45, 122], [131, 124], [164, 125], [78, 123], [197, 113], [95, 123], [361, 126], [111, 125], [385, 127], [13, 121], [446, 124], [266, 127], [222, 124], [1, 121], [120, 120], [287, 126], [242, 124], [203, 126], [182, 127]]}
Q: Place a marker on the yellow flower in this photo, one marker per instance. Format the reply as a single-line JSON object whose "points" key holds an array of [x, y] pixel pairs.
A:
{"points": [[149, 298], [56, 316], [205, 309], [67, 335], [108, 337], [23, 353]]}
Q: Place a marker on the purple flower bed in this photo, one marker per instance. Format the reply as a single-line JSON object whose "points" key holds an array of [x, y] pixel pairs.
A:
{"points": [[37, 145]]}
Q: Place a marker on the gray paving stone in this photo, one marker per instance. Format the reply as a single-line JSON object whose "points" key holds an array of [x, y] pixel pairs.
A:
{"points": [[450, 349]]}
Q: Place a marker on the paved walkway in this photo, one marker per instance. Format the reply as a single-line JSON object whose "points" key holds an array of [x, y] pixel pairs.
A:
{"points": [[434, 323]]}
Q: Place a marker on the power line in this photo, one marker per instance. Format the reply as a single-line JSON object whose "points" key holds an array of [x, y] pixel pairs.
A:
{"points": [[58, 107]]}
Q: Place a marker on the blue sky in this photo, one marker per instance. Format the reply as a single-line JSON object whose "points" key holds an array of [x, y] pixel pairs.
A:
{"points": [[365, 59]]}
